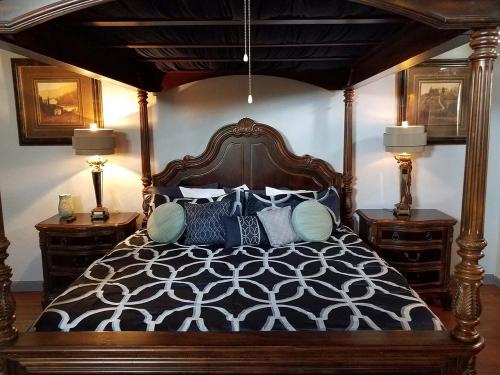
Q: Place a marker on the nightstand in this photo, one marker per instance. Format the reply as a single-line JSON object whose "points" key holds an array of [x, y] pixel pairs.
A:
{"points": [[418, 246], [68, 248]]}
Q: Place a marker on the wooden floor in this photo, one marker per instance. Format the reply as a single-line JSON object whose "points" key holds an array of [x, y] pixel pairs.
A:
{"points": [[28, 308]]}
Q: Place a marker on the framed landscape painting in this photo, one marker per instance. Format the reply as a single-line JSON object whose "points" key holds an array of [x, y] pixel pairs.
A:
{"points": [[51, 102], [435, 94]]}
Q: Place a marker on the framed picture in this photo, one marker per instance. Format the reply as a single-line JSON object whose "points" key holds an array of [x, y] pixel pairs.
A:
{"points": [[51, 102], [435, 94]]}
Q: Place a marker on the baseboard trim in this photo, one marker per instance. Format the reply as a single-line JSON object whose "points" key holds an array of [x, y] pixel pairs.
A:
{"points": [[491, 279], [27, 286]]}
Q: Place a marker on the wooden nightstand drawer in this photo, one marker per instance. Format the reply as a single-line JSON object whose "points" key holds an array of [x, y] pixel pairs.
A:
{"points": [[411, 256], [59, 241], [422, 278], [418, 246], [77, 260], [69, 248], [389, 235]]}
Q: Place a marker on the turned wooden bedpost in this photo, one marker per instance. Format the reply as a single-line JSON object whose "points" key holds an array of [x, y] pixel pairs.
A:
{"points": [[347, 176], [145, 149], [468, 273], [7, 303]]}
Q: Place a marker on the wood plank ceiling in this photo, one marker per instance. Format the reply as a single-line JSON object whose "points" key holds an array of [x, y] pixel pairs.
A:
{"points": [[155, 44]]}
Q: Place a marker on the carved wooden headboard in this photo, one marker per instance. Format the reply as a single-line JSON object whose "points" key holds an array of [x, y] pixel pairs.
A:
{"points": [[253, 154], [250, 153]]}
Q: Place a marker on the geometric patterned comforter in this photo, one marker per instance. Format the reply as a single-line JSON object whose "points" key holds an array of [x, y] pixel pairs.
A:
{"points": [[338, 284]]}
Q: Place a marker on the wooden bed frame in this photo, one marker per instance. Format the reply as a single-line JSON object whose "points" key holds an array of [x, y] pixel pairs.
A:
{"points": [[260, 155], [257, 155]]}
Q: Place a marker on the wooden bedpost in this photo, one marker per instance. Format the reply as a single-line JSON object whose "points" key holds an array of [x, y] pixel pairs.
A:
{"points": [[7, 302], [145, 149], [468, 273], [347, 176]]}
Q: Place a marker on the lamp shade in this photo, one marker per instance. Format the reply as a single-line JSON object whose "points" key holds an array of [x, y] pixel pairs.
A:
{"points": [[409, 139], [93, 141]]}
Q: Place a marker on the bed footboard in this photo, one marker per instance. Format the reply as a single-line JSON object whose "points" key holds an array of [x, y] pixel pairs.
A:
{"points": [[389, 352]]}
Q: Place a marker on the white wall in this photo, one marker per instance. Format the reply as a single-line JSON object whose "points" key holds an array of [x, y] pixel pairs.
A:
{"points": [[31, 177], [310, 118]]}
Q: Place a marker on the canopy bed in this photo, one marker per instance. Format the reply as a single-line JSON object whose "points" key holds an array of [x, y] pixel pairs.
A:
{"points": [[256, 154]]}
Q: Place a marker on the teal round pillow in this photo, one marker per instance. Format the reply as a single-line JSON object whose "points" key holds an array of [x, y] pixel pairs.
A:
{"points": [[167, 223], [312, 221]]}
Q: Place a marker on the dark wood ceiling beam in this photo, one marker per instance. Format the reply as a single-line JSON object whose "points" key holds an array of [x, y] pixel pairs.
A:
{"points": [[412, 45], [443, 14], [119, 66], [241, 45], [282, 22], [298, 59]]}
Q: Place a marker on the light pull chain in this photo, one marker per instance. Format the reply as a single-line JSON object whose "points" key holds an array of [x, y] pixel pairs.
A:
{"points": [[245, 56], [250, 98]]}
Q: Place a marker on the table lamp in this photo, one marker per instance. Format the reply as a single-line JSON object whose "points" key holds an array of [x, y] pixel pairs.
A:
{"points": [[96, 142], [403, 141]]}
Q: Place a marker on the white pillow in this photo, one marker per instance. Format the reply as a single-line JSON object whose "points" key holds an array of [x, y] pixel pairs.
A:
{"points": [[201, 193], [242, 187], [273, 191]]}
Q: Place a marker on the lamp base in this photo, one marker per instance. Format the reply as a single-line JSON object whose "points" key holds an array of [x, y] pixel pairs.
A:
{"points": [[99, 213], [401, 210]]}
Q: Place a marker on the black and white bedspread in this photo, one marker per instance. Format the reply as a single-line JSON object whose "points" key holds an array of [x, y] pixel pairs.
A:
{"points": [[142, 285]]}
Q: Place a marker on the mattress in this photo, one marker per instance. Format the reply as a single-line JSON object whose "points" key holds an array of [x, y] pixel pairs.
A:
{"points": [[336, 285]]}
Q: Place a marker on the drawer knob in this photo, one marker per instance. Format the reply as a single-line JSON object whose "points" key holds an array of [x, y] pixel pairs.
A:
{"points": [[395, 236], [428, 236], [414, 258]]}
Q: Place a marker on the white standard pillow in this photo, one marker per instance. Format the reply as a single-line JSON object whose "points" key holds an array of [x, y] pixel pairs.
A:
{"points": [[201, 193], [167, 223], [242, 187], [270, 191]]}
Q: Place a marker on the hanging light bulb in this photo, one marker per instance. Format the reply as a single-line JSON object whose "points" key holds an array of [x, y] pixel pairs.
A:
{"points": [[250, 99]]}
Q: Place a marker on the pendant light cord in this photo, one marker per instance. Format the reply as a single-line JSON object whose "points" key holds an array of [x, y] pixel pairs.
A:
{"points": [[250, 98], [245, 6]]}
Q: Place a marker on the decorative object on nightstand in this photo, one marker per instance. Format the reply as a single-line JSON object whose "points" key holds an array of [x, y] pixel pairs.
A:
{"points": [[404, 141], [65, 207], [68, 248], [418, 246], [95, 141]]}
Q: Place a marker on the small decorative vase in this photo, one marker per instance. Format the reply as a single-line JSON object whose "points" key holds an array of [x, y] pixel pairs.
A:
{"points": [[66, 208]]}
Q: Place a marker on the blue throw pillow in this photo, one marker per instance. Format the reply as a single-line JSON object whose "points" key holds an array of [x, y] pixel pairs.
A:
{"points": [[244, 230], [330, 198], [204, 223]]}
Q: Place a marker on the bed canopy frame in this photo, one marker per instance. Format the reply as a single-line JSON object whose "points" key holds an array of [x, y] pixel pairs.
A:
{"points": [[22, 29]]}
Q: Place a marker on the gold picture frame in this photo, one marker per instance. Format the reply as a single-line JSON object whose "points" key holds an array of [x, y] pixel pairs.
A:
{"points": [[435, 94], [51, 102]]}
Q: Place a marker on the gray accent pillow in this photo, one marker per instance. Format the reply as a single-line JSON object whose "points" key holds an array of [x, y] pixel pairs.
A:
{"points": [[204, 223], [278, 225]]}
